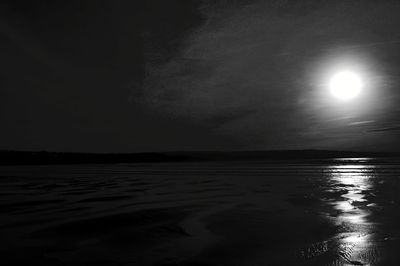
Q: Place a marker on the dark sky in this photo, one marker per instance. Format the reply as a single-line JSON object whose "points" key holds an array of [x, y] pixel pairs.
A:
{"points": [[130, 76]]}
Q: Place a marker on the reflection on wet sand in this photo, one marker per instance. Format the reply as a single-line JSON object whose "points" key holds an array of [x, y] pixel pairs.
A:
{"points": [[353, 182], [315, 212]]}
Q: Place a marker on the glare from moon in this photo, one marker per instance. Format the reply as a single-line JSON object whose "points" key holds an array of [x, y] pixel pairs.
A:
{"points": [[345, 85]]}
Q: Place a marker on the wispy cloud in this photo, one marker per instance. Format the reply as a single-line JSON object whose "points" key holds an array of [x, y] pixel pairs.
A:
{"points": [[384, 129], [246, 70], [361, 122]]}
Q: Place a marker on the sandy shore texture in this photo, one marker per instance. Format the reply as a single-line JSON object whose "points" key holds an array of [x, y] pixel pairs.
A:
{"points": [[311, 212]]}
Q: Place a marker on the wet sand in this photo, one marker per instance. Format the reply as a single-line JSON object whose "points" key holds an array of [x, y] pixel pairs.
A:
{"points": [[325, 212]]}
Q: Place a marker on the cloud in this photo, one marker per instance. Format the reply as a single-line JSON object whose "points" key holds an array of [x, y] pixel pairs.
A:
{"points": [[358, 123], [248, 64], [385, 129], [226, 66]]}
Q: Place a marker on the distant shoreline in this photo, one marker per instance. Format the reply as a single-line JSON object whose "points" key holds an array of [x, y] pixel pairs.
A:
{"points": [[51, 158]]}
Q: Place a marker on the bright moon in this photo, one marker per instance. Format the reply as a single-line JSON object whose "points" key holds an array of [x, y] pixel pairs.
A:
{"points": [[345, 85]]}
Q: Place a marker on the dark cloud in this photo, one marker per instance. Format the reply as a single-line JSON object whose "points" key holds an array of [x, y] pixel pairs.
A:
{"points": [[396, 128]]}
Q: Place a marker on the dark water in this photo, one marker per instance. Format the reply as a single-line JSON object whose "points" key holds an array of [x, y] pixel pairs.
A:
{"points": [[325, 212]]}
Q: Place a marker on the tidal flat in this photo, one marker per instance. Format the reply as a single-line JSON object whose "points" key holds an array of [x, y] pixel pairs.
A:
{"points": [[342, 211]]}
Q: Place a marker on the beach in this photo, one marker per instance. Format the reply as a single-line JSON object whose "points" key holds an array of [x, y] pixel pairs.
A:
{"points": [[343, 211]]}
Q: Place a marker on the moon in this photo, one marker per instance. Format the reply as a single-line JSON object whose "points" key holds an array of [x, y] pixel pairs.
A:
{"points": [[345, 85]]}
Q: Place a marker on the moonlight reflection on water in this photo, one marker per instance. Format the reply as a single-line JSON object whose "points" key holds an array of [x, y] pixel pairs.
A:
{"points": [[354, 182]]}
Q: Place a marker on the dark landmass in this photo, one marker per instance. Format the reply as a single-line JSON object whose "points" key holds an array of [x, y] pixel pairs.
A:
{"points": [[44, 157]]}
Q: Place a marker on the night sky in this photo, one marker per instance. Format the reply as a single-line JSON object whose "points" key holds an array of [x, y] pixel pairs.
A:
{"points": [[124, 76]]}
